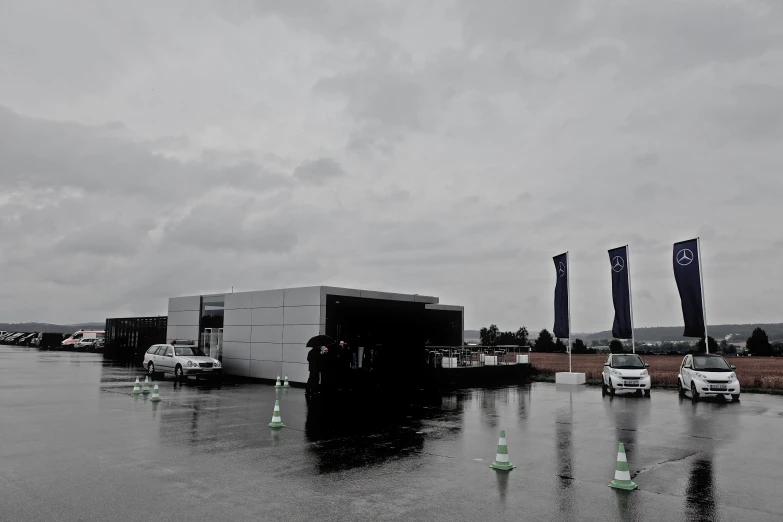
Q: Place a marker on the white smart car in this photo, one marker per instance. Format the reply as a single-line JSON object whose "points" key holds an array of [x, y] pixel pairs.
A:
{"points": [[625, 371], [183, 359], [707, 375]]}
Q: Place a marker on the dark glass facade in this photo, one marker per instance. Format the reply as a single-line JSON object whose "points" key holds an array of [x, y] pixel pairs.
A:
{"points": [[128, 338]]}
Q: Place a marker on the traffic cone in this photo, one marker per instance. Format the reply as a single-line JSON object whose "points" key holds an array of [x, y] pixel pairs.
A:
{"points": [[276, 420], [622, 477], [136, 388], [285, 384], [277, 384], [155, 394], [501, 459], [145, 388]]}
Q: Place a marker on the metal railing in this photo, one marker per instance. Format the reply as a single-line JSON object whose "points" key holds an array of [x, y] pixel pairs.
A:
{"points": [[474, 356]]}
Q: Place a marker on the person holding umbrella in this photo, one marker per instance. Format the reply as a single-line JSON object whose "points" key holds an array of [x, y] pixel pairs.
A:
{"points": [[316, 361]]}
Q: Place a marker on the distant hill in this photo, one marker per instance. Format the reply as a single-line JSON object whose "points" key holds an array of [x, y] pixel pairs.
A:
{"points": [[48, 327], [730, 332]]}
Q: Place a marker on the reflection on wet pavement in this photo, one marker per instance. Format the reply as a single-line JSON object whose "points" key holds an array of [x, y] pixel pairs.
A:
{"points": [[77, 446]]}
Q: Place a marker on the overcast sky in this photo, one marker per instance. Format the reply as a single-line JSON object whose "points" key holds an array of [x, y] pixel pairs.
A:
{"points": [[155, 149]]}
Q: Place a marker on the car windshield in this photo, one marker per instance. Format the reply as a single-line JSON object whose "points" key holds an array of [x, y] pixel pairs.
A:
{"points": [[629, 362], [710, 364], [188, 351]]}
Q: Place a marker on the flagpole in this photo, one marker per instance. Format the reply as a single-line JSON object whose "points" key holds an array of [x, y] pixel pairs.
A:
{"points": [[703, 301], [630, 294], [568, 287]]}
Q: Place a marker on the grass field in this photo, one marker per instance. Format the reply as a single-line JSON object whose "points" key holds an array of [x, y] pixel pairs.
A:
{"points": [[753, 372]]}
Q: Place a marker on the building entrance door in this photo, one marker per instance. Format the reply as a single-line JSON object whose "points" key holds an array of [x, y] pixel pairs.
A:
{"points": [[212, 343]]}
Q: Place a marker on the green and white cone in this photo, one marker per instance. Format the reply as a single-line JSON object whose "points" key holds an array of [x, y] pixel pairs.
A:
{"points": [[501, 459], [277, 384], [155, 394], [136, 388], [622, 477], [145, 388], [285, 384], [277, 422]]}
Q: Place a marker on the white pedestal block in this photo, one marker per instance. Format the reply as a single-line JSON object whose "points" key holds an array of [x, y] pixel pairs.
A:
{"points": [[491, 360], [523, 359], [449, 362], [569, 378], [481, 357]]}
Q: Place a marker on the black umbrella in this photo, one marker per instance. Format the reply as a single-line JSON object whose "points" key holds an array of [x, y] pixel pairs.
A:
{"points": [[319, 340]]}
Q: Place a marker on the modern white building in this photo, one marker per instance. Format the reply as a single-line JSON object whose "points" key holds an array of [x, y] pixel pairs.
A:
{"points": [[263, 334]]}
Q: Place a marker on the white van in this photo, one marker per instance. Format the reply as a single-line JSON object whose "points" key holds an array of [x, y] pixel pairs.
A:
{"points": [[83, 334]]}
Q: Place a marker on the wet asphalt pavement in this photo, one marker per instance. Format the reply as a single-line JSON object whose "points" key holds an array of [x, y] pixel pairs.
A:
{"points": [[74, 445]]}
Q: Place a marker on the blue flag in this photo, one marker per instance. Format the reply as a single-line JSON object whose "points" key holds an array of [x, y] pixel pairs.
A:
{"points": [[688, 277], [621, 293], [561, 328]]}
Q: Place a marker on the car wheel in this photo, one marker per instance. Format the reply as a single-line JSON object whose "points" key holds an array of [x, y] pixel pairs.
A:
{"points": [[680, 388], [178, 373], [151, 369], [647, 393], [611, 388], [638, 393], [694, 393], [735, 397]]}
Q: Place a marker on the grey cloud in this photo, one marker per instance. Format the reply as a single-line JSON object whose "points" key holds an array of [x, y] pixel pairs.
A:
{"points": [[215, 226], [626, 122], [318, 172]]}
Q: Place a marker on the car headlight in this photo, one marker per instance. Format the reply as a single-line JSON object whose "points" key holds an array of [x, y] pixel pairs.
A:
{"points": [[700, 375], [190, 363], [732, 376], [217, 364], [644, 372], [615, 372]]}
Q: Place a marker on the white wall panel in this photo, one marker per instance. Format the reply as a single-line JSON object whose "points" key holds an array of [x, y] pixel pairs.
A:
{"points": [[266, 370], [267, 316], [234, 350], [296, 372], [188, 317], [236, 334], [267, 334], [302, 314], [188, 332], [266, 352], [178, 304], [309, 295], [239, 300], [268, 298], [295, 353], [236, 317], [299, 333], [240, 367]]}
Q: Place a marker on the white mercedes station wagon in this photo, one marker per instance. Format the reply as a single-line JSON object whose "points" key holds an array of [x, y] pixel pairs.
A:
{"points": [[181, 358]]}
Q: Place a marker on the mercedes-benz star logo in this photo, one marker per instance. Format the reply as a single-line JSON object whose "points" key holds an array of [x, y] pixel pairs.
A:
{"points": [[618, 263], [684, 257], [561, 269]]}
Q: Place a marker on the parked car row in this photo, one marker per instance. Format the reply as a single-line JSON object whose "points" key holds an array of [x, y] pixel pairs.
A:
{"points": [[18, 338], [80, 341], [701, 375]]}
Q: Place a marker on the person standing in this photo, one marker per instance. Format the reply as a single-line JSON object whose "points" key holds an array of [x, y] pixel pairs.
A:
{"points": [[313, 364]]}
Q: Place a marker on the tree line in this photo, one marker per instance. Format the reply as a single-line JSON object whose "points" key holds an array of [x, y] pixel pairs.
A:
{"points": [[758, 343]]}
